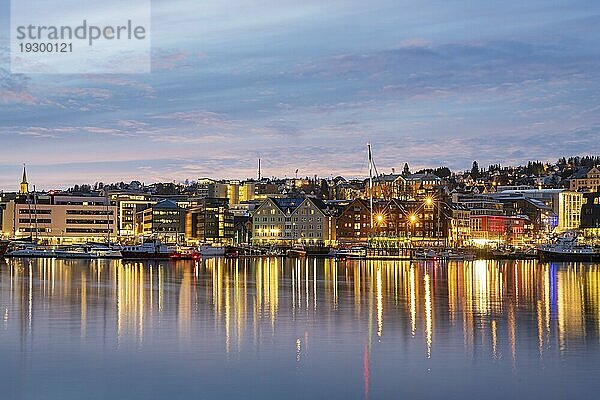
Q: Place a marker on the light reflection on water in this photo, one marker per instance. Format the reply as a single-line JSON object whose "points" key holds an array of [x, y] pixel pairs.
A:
{"points": [[274, 328]]}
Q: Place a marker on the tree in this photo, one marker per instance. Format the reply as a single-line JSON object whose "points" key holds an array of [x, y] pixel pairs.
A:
{"points": [[475, 170]]}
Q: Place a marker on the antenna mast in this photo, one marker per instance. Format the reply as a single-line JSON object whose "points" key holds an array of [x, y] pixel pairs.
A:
{"points": [[370, 183], [259, 172]]}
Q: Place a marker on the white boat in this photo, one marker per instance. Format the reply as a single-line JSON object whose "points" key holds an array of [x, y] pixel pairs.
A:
{"points": [[351, 253], [89, 252], [31, 252], [441, 255], [211, 251], [426, 255]]}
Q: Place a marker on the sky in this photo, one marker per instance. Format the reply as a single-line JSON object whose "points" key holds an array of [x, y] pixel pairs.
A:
{"points": [[306, 84]]}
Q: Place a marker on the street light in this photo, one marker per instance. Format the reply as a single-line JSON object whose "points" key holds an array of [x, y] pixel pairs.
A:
{"points": [[379, 218], [428, 201]]}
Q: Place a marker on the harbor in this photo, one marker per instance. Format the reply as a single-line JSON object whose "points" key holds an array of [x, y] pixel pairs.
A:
{"points": [[289, 319]]}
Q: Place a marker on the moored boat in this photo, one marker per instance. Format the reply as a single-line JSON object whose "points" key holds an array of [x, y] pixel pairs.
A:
{"points": [[211, 251], [351, 253], [296, 252], [30, 253], [151, 249], [3, 247], [566, 248], [88, 252]]}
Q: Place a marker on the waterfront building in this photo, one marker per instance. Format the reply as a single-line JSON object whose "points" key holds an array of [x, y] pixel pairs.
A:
{"points": [[210, 222], [590, 217], [128, 204], [290, 221], [164, 220], [459, 229], [392, 220], [479, 204], [499, 229], [427, 218], [494, 221], [242, 229], [540, 214], [60, 219], [585, 180], [354, 222], [565, 204]]}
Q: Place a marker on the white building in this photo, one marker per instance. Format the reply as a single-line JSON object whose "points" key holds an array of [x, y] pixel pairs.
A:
{"points": [[63, 220]]}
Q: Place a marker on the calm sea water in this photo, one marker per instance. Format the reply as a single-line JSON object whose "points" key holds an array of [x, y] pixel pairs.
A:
{"points": [[291, 329]]}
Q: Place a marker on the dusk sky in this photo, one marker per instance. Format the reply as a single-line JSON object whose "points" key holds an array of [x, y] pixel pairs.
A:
{"points": [[306, 84]]}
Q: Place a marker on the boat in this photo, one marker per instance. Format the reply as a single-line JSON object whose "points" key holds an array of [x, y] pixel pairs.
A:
{"points": [[426, 255], [88, 252], [31, 250], [185, 253], [150, 249], [28, 250], [450, 255], [211, 251], [3, 246], [274, 253], [102, 251], [442, 255], [296, 252], [512, 254], [351, 253], [30, 253], [566, 248]]}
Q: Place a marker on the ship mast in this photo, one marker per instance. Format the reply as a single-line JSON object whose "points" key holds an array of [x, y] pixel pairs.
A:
{"points": [[36, 213]]}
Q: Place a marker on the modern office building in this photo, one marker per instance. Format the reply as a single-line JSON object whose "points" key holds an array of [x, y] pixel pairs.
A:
{"points": [[60, 219], [128, 204], [210, 222], [163, 220]]}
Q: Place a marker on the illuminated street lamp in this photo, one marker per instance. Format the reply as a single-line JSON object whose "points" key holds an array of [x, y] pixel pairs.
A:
{"points": [[379, 218], [412, 218], [428, 201]]}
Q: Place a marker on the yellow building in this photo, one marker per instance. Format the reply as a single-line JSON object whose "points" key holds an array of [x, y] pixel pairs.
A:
{"points": [[289, 221], [569, 210], [237, 192], [128, 204]]}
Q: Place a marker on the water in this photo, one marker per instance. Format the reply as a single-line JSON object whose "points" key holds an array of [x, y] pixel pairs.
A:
{"points": [[290, 329]]}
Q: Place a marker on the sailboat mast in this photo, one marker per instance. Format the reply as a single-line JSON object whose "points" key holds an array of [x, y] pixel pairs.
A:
{"points": [[36, 213], [107, 220], [370, 184]]}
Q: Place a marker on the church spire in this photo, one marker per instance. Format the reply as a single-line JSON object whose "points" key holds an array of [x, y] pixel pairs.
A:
{"points": [[24, 188]]}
